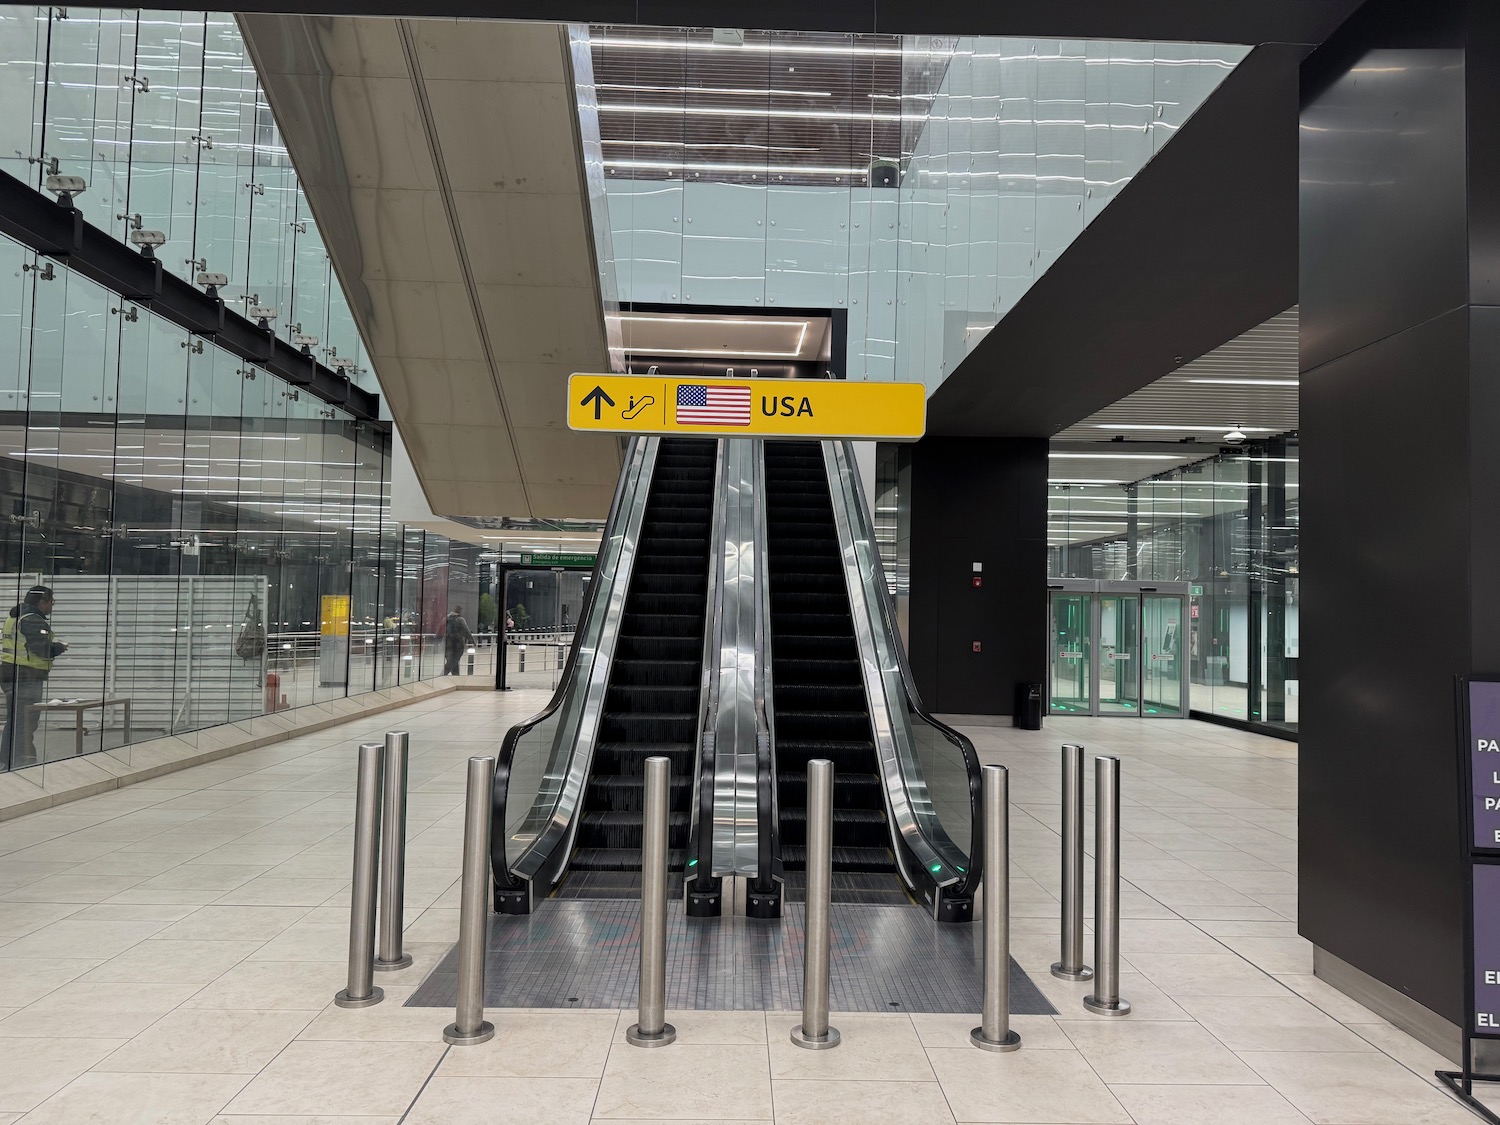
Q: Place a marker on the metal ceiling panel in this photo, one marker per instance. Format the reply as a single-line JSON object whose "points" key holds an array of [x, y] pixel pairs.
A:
{"points": [[442, 160]]}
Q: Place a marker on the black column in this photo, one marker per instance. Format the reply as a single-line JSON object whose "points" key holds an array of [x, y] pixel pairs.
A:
{"points": [[978, 500], [1400, 342]]}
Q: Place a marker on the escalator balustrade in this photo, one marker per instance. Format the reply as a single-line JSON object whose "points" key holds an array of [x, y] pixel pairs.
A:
{"points": [[651, 706]]}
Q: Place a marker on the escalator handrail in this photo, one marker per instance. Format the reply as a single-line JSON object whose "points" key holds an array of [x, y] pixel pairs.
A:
{"points": [[768, 815], [705, 761], [639, 460], [973, 871]]}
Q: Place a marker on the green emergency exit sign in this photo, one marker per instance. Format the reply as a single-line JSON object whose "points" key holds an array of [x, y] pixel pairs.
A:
{"points": [[544, 558], [1195, 591]]}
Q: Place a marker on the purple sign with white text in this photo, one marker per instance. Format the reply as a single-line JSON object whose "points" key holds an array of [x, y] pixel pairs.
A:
{"points": [[1486, 1014], [1484, 762]]}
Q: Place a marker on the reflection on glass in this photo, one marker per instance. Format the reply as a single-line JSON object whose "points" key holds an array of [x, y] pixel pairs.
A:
{"points": [[1119, 654], [1070, 653]]}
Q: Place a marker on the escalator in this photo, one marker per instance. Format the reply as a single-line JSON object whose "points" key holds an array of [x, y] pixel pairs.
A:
{"points": [[739, 624], [820, 704], [652, 703]]}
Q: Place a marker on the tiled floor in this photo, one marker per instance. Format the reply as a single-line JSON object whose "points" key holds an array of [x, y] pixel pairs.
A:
{"points": [[169, 951]]}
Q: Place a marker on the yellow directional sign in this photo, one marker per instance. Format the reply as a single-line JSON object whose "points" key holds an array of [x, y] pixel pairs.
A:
{"points": [[789, 408]]}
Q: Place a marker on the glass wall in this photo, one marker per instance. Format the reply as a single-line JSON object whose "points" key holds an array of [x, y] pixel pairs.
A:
{"points": [[219, 542], [1228, 525], [162, 115], [919, 184]]}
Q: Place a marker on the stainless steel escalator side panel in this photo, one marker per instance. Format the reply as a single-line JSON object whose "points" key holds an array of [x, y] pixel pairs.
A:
{"points": [[703, 828], [554, 814], [928, 860], [768, 832], [736, 821]]}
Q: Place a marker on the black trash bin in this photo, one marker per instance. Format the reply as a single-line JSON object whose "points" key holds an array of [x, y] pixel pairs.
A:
{"points": [[1028, 712]]}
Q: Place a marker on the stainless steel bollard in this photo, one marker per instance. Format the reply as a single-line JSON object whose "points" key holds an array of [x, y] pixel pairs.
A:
{"points": [[393, 854], [469, 1025], [993, 1032], [813, 1032], [1106, 998], [1071, 967], [651, 1028], [361, 991]]}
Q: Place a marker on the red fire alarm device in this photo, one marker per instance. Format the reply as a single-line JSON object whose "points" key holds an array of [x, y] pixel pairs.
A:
{"points": [[978, 581], [976, 646]]}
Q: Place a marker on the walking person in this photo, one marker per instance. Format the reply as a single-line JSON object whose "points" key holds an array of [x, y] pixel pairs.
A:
{"points": [[27, 649], [456, 640]]}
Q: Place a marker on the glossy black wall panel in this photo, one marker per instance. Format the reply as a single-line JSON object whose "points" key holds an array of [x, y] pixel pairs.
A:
{"points": [[978, 500], [1383, 223], [1482, 77], [1483, 422], [1385, 627]]}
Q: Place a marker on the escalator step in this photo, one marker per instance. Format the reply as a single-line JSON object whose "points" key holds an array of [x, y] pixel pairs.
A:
{"points": [[622, 859], [663, 625], [663, 699], [794, 672], [629, 671], [794, 857], [651, 647], [628, 793]]}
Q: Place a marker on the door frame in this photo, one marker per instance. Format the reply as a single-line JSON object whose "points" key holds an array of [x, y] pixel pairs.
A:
{"points": [[1095, 587]]}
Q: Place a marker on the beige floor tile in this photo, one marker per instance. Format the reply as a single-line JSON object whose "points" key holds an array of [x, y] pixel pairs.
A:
{"points": [[208, 1042], [1363, 1087], [218, 923], [69, 938], [27, 979], [1208, 1105], [505, 1101], [872, 1047], [306, 941], [1131, 1050], [133, 912], [279, 985], [540, 1044], [368, 1078], [1323, 995], [300, 1119], [35, 1069], [709, 1081], [1404, 1049], [1025, 1086], [1151, 935], [93, 887], [170, 961], [742, 1028], [268, 890], [1271, 1023], [137, 1099], [387, 1022], [871, 1103], [110, 1011], [1038, 1033], [1195, 974]]}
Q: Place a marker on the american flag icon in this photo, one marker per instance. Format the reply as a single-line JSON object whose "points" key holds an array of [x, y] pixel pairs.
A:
{"points": [[699, 405]]}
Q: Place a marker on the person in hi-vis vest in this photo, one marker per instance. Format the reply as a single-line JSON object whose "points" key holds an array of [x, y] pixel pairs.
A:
{"points": [[27, 649]]}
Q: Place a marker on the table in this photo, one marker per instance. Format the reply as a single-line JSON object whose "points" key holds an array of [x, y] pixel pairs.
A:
{"points": [[79, 706]]}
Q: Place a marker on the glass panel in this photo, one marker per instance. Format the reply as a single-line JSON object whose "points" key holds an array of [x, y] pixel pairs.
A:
{"points": [[535, 646], [1162, 623], [1070, 651], [1119, 654]]}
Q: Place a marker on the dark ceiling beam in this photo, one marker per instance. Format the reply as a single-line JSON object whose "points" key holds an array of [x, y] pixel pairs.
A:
{"points": [[1199, 247], [59, 232], [1210, 21]]}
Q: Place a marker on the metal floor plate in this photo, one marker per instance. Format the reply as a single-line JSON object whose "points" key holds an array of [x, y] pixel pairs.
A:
{"points": [[583, 953]]}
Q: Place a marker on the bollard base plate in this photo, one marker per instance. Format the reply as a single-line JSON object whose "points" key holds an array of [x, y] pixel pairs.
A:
{"points": [[391, 966], [344, 1000], [816, 1042], [1081, 973], [1010, 1042], [482, 1034], [1105, 1007], [637, 1038]]}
